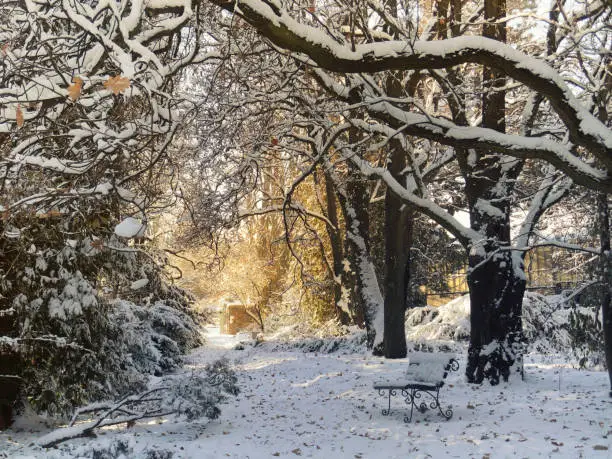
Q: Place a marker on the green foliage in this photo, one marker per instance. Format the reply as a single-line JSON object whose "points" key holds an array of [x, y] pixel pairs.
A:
{"points": [[69, 339], [118, 347]]}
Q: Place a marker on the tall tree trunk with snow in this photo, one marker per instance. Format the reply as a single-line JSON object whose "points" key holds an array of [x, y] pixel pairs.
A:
{"points": [[360, 289], [337, 249], [356, 220], [603, 212], [398, 232], [10, 381], [495, 276], [497, 286], [397, 244]]}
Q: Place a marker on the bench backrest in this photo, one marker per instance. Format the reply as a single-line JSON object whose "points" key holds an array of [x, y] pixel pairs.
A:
{"points": [[430, 367]]}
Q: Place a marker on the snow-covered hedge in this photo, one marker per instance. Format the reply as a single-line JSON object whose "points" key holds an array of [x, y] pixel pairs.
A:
{"points": [[551, 324], [68, 334], [330, 337], [554, 324], [104, 351], [154, 337], [448, 322]]}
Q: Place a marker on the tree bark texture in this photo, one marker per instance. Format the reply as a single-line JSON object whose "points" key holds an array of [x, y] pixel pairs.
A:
{"points": [[603, 212], [397, 247], [337, 249], [359, 278], [356, 243], [496, 277]]}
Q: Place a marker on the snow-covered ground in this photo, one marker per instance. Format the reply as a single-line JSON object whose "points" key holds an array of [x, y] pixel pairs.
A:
{"points": [[294, 403]]}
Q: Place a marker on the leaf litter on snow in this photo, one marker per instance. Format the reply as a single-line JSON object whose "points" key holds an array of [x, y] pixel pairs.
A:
{"points": [[295, 403]]}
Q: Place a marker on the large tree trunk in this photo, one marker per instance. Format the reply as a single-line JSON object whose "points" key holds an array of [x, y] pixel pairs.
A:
{"points": [[397, 245], [337, 249], [357, 246], [360, 287], [10, 380], [603, 212], [495, 276], [497, 285], [397, 235]]}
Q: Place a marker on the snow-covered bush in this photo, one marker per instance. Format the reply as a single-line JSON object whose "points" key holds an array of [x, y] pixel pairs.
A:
{"points": [[65, 356], [116, 351], [448, 322], [557, 323], [136, 341], [198, 396], [154, 336], [329, 338], [122, 447], [66, 338], [551, 324], [585, 327], [545, 323], [117, 448], [586, 331]]}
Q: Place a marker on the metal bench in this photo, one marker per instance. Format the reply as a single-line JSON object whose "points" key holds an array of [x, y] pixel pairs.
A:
{"points": [[425, 376]]}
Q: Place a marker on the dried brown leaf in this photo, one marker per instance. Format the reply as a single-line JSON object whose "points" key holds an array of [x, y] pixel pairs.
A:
{"points": [[19, 116], [97, 244], [117, 84], [74, 90]]}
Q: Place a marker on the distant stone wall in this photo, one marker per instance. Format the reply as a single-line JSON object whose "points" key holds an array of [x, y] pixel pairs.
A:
{"points": [[235, 318]]}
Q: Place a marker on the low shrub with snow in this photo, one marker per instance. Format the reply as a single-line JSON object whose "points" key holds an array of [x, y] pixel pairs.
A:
{"points": [[448, 322], [197, 396], [115, 354], [349, 344], [123, 447], [330, 337], [69, 336], [557, 324], [154, 336], [75, 348], [551, 324]]}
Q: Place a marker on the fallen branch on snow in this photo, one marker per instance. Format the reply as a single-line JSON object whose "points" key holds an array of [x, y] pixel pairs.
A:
{"points": [[193, 397]]}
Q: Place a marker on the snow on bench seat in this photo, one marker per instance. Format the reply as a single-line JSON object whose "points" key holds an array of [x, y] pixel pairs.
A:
{"points": [[425, 375]]}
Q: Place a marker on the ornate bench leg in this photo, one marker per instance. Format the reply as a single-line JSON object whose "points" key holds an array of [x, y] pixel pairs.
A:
{"points": [[448, 413], [409, 397], [413, 397], [390, 393]]}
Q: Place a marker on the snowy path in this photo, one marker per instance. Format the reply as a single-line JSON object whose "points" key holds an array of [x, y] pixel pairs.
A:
{"points": [[322, 405]]}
